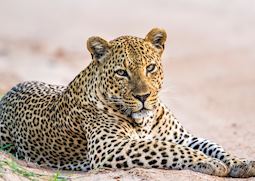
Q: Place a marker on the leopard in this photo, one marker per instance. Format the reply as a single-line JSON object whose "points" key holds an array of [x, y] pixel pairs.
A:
{"points": [[110, 116]]}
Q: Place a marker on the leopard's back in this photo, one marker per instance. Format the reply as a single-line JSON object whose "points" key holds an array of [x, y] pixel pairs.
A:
{"points": [[23, 105]]}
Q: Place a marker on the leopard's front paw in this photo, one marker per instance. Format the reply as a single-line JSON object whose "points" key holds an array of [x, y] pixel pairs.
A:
{"points": [[212, 167], [242, 169]]}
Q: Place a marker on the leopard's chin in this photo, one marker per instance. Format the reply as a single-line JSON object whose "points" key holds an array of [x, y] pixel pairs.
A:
{"points": [[143, 113]]}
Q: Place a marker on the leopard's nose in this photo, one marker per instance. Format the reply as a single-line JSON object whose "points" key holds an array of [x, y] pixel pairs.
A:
{"points": [[143, 97]]}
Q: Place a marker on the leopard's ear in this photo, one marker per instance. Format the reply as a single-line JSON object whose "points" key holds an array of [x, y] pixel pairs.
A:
{"points": [[157, 37], [98, 47]]}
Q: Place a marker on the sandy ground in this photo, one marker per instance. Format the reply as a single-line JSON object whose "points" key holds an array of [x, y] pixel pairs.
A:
{"points": [[209, 61]]}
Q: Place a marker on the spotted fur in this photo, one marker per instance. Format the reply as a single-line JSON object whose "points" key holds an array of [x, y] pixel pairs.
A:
{"points": [[109, 116]]}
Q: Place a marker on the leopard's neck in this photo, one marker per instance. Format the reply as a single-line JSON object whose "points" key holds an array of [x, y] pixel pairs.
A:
{"points": [[79, 96], [82, 89]]}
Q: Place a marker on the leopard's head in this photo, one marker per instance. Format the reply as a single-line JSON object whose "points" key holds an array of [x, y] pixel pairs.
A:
{"points": [[130, 73]]}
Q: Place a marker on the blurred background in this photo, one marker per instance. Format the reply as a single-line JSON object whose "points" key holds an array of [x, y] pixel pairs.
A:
{"points": [[209, 59]]}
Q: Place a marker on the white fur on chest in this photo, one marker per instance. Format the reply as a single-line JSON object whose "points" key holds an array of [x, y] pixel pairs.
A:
{"points": [[143, 131]]}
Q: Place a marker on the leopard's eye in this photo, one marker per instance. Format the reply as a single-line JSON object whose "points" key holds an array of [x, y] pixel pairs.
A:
{"points": [[122, 72], [151, 68]]}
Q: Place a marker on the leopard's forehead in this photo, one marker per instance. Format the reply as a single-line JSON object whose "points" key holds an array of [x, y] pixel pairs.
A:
{"points": [[133, 51]]}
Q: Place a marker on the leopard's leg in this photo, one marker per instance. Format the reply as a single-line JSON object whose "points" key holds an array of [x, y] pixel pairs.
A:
{"points": [[81, 165], [238, 167], [174, 132], [5, 139], [5, 132], [114, 152]]}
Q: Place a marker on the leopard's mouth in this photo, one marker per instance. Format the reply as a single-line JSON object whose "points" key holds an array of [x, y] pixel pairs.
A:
{"points": [[142, 113]]}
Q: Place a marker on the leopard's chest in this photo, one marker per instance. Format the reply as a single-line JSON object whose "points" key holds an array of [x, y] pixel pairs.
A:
{"points": [[143, 131]]}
